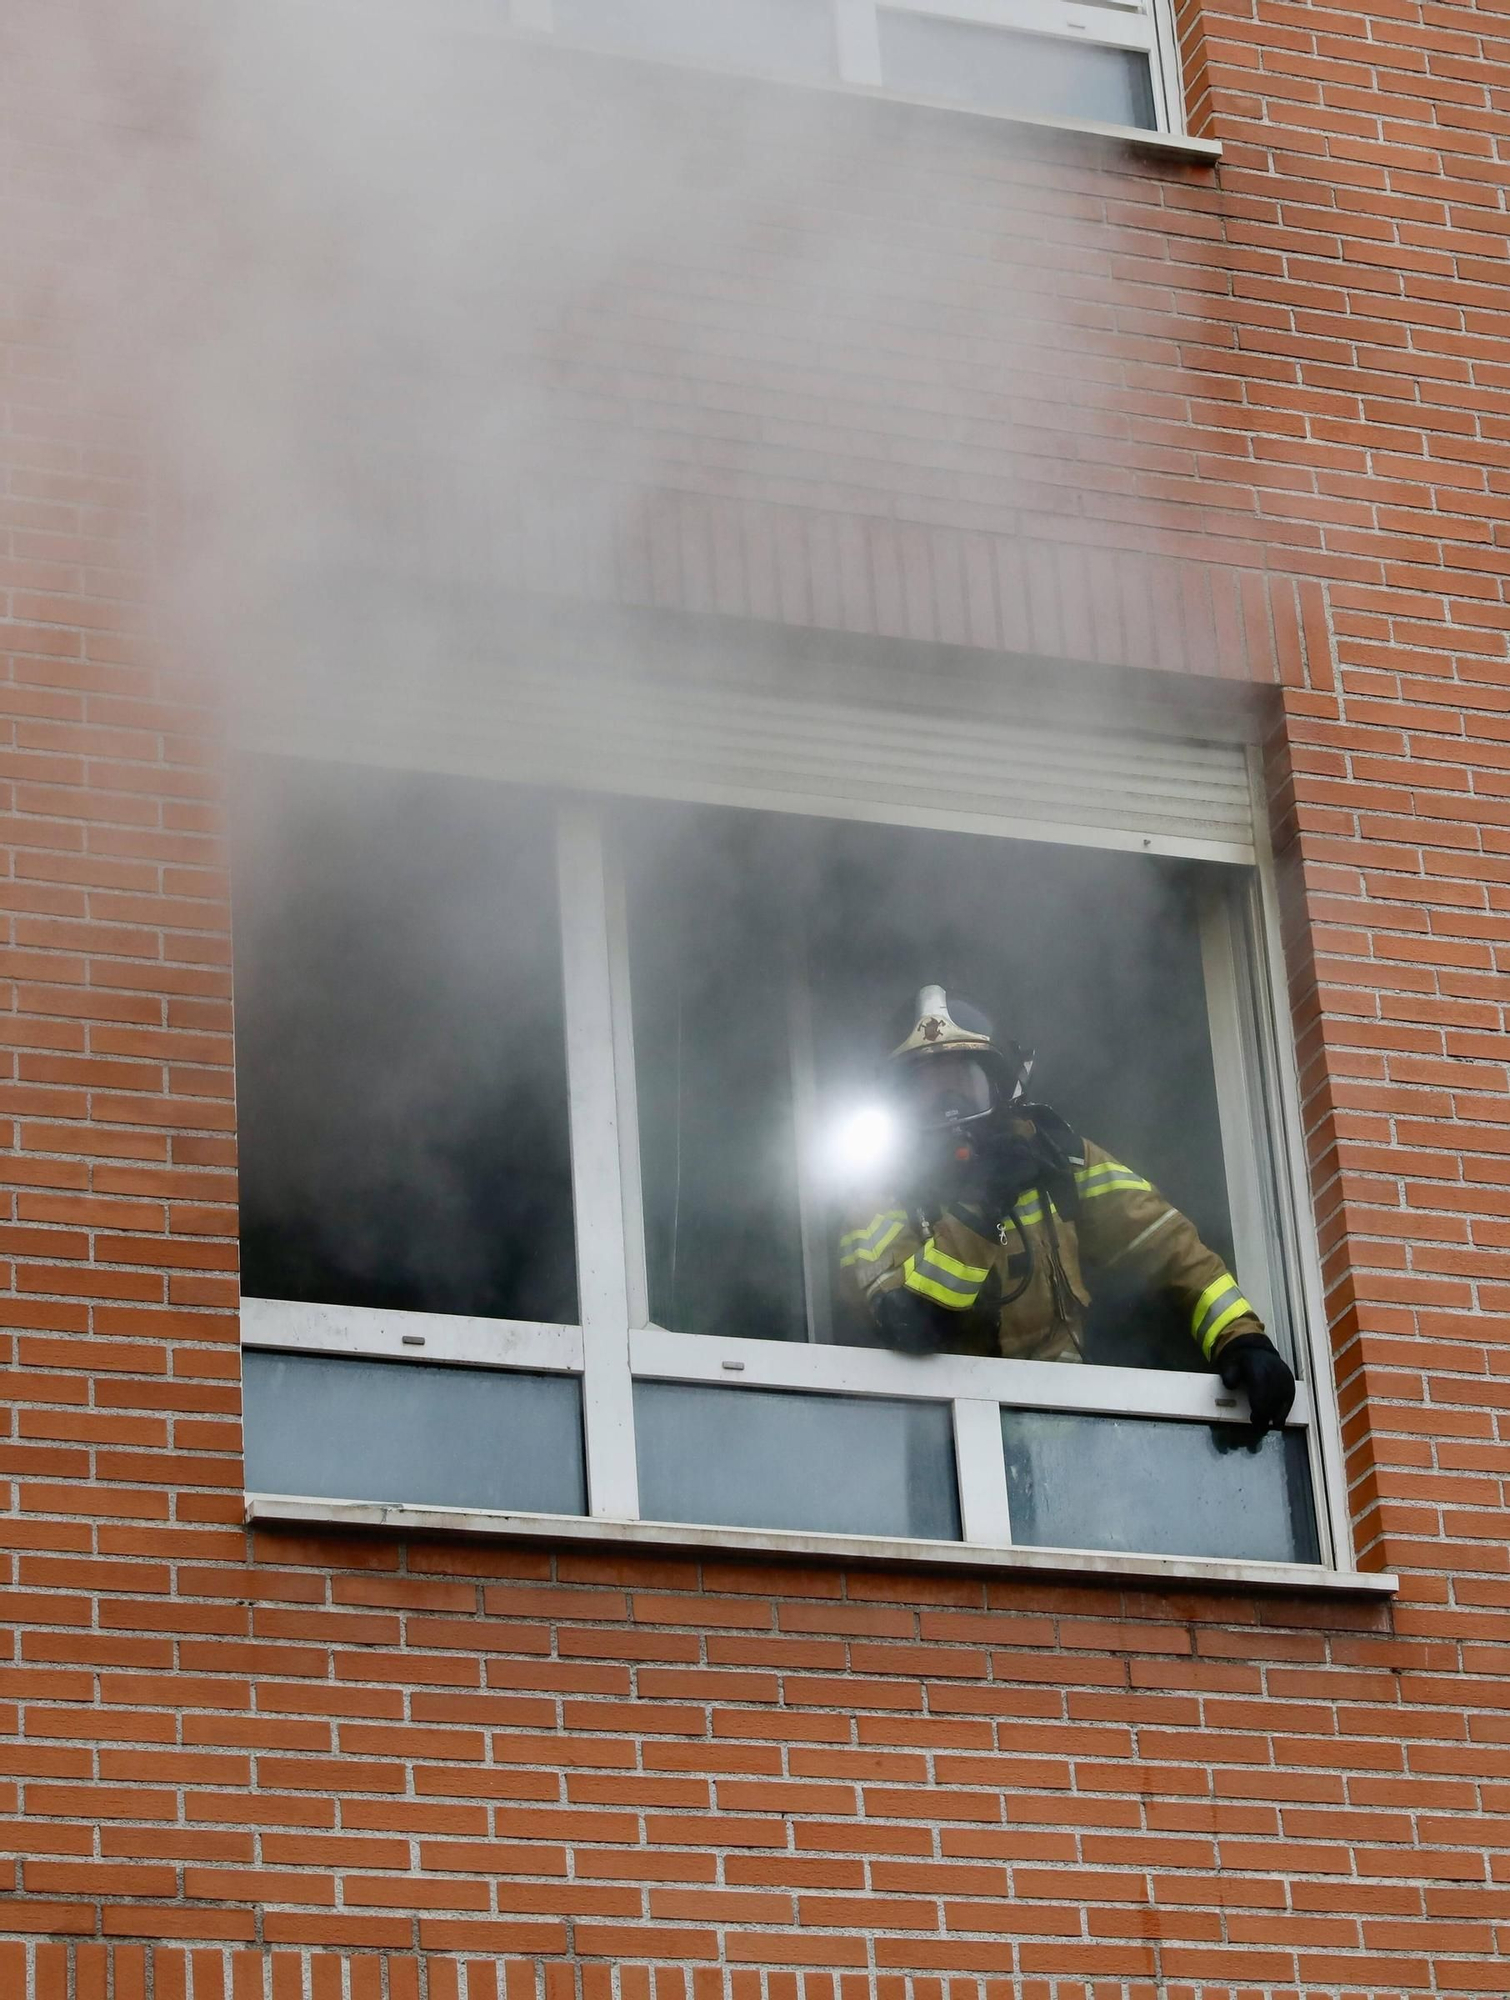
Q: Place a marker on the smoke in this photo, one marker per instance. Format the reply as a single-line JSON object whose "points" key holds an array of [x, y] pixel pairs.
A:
{"points": [[411, 310], [397, 314], [341, 261]]}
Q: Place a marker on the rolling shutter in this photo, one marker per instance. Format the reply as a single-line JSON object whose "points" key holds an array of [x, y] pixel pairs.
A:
{"points": [[871, 757]]}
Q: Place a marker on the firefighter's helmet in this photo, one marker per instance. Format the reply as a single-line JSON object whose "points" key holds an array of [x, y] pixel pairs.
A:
{"points": [[950, 1064]]}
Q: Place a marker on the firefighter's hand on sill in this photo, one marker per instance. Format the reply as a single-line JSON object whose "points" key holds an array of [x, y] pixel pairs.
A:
{"points": [[1253, 1364], [908, 1323]]}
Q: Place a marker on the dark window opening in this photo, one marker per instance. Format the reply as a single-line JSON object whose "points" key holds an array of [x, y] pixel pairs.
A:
{"points": [[400, 1061]]}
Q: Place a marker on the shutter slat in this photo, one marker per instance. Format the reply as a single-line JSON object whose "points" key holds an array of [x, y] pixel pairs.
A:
{"points": [[742, 747]]}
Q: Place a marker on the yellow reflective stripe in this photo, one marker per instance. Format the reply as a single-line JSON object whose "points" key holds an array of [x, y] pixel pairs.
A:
{"points": [[1104, 1170], [1103, 1180], [1218, 1306], [975, 1274], [1208, 1298], [869, 1253], [1237, 1311], [942, 1278], [874, 1227], [938, 1293], [917, 1281], [1030, 1209], [866, 1245]]}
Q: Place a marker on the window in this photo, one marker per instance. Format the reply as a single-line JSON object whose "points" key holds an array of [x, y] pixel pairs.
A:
{"points": [[539, 1086], [1110, 62]]}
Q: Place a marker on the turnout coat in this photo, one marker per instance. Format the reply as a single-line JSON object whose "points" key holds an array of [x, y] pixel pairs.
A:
{"points": [[1023, 1290]]}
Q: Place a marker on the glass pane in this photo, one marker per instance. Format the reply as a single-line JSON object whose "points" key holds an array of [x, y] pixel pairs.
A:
{"points": [[400, 1062], [710, 971], [1146, 1486], [993, 69], [792, 38], [331, 1428], [766, 1458]]}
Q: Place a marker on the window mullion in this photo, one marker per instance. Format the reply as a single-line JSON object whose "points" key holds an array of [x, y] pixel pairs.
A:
{"points": [[981, 1464], [815, 1251], [597, 1177], [1168, 71], [626, 1089], [1243, 1144]]}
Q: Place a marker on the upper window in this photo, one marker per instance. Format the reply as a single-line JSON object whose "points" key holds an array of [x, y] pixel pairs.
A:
{"points": [[1100, 61], [582, 1176]]}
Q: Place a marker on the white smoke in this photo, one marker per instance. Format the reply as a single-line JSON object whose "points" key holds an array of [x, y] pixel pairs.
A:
{"points": [[400, 303]]}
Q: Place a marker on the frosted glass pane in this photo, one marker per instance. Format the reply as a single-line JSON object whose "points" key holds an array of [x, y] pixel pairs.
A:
{"points": [[771, 37], [991, 69], [1145, 1486], [336, 1429], [767, 1458]]}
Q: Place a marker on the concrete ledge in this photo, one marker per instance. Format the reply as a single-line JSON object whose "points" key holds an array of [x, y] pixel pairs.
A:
{"points": [[1134, 138], [273, 1510]]}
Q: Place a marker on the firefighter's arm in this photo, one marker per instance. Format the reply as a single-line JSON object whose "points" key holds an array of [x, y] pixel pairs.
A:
{"points": [[914, 1286], [1127, 1229]]}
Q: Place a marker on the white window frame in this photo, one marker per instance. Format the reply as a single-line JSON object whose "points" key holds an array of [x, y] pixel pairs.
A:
{"points": [[1143, 26], [616, 1344]]}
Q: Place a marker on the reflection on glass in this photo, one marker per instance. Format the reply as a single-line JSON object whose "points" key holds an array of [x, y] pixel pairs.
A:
{"points": [[789, 38], [327, 1427], [992, 69], [400, 1061], [758, 1458], [1147, 1486]]}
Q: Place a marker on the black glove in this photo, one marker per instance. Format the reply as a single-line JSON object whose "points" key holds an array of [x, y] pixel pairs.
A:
{"points": [[1001, 1168], [909, 1323], [1255, 1365]]}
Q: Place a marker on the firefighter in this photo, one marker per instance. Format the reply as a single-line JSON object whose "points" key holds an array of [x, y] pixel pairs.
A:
{"points": [[1009, 1221]]}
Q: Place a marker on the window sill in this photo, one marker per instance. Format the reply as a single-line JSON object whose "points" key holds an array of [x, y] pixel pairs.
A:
{"points": [[1133, 138], [271, 1509]]}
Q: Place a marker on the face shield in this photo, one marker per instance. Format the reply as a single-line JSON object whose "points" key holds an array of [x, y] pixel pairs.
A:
{"points": [[937, 1092]]}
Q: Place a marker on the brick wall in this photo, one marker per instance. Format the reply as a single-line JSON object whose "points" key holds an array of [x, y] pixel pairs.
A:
{"points": [[280, 1766]]}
